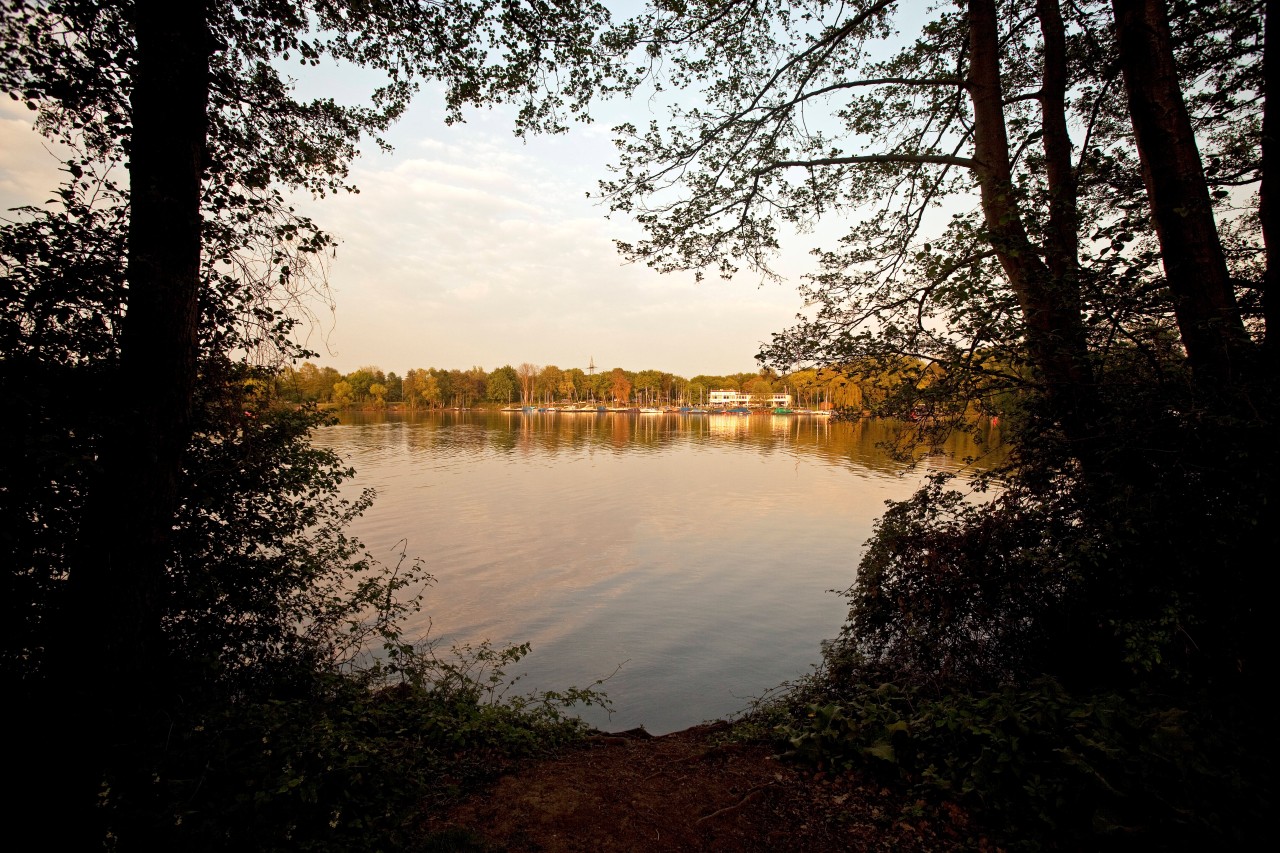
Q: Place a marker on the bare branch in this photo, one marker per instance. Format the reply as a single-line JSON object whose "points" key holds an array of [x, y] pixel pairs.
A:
{"points": [[898, 159]]}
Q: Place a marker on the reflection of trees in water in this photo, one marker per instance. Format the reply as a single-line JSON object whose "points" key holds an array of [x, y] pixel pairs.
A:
{"points": [[859, 443], [620, 432]]}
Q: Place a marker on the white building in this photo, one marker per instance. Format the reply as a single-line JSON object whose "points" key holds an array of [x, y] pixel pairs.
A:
{"points": [[728, 398]]}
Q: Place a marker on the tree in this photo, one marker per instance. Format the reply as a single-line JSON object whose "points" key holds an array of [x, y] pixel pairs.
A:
{"points": [[619, 386], [1203, 295], [395, 388], [668, 382], [712, 383], [547, 385], [362, 381], [648, 385], [193, 97], [410, 388], [1001, 254], [818, 115], [760, 389], [596, 386], [477, 380], [115, 585], [429, 388], [308, 383], [328, 378], [455, 387], [528, 374], [343, 394], [500, 387], [444, 390], [573, 383]]}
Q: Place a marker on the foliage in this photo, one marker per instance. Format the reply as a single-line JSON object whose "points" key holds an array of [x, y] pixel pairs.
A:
{"points": [[889, 388], [955, 591], [260, 550], [276, 732], [230, 596], [61, 287], [1044, 768], [1015, 241], [1011, 266], [302, 719], [329, 748], [1079, 662], [500, 387]]}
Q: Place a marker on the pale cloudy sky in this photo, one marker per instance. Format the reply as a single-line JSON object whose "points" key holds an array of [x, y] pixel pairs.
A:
{"points": [[467, 246]]}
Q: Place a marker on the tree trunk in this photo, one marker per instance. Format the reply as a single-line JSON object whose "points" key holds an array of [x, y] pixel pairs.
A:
{"points": [[1269, 193], [1204, 303], [115, 587], [1062, 237], [106, 670], [1049, 297]]}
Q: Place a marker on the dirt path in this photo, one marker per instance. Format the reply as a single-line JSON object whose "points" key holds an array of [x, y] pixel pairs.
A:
{"points": [[690, 791]]}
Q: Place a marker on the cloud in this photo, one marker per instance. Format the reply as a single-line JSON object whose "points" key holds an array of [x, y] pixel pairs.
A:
{"points": [[473, 249], [467, 246], [29, 163]]}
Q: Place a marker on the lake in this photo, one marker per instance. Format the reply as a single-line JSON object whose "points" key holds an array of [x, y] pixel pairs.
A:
{"points": [[694, 557]]}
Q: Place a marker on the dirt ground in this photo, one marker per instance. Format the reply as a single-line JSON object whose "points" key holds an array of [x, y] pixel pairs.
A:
{"points": [[690, 790]]}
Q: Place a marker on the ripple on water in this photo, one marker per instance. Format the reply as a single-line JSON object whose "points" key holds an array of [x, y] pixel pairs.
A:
{"points": [[697, 552]]}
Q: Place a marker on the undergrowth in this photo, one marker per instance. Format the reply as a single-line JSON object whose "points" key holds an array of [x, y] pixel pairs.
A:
{"points": [[350, 762], [349, 748], [1042, 768], [1074, 661]]}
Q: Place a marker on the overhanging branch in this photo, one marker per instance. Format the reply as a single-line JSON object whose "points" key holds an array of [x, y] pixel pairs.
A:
{"points": [[897, 159]]}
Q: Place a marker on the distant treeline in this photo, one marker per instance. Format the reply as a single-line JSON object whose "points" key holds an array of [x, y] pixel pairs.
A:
{"points": [[830, 387]]}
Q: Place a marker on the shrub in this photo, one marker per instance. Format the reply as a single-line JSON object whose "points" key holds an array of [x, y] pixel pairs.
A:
{"points": [[1045, 769]]}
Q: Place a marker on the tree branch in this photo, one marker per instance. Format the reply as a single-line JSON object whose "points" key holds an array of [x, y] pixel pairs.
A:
{"points": [[899, 159]]}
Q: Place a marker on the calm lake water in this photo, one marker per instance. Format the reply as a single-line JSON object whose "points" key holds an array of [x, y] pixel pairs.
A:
{"points": [[698, 553]]}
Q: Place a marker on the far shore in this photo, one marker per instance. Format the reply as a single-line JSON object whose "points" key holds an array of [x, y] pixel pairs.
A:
{"points": [[582, 408]]}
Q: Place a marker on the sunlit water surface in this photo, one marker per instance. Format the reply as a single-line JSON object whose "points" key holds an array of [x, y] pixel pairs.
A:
{"points": [[694, 555]]}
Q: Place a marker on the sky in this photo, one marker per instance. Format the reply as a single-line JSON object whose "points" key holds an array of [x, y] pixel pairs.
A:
{"points": [[468, 246]]}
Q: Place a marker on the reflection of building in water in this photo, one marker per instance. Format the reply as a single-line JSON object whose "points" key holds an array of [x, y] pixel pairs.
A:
{"points": [[742, 398], [729, 425], [781, 425]]}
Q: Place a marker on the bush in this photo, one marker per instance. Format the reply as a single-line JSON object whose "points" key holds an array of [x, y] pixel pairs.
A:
{"points": [[291, 713], [1079, 659], [1042, 768], [349, 764]]}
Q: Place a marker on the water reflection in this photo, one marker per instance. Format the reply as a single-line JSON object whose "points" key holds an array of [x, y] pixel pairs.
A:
{"points": [[696, 549], [857, 442]]}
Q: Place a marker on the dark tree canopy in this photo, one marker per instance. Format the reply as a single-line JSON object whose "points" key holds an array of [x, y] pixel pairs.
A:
{"points": [[985, 160], [1064, 214], [134, 313], [195, 101], [1060, 212], [1055, 212]]}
